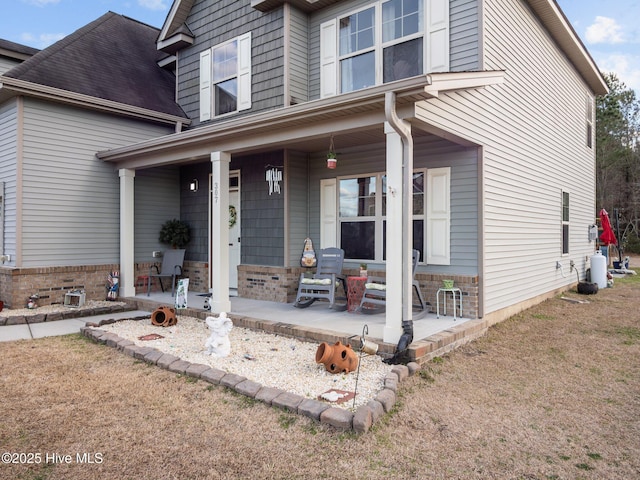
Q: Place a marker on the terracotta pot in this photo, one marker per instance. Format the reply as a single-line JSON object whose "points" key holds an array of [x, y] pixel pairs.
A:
{"points": [[337, 358], [164, 317]]}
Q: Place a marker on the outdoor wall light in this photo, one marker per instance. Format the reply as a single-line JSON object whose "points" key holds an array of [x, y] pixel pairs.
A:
{"points": [[193, 186]]}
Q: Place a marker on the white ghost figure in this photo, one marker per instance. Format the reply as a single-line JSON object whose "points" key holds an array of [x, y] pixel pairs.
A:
{"points": [[218, 344]]}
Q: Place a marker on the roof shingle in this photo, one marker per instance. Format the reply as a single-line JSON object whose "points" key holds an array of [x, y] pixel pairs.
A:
{"points": [[113, 58]]}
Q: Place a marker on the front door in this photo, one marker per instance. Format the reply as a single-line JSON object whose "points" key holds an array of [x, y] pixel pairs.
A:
{"points": [[234, 228]]}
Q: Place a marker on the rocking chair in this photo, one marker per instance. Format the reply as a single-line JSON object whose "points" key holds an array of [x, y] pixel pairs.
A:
{"points": [[375, 292], [324, 283]]}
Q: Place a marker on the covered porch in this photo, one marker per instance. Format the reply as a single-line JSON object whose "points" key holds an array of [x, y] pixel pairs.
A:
{"points": [[432, 336]]}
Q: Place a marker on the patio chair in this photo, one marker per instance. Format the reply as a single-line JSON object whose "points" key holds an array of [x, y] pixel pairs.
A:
{"points": [[375, 291], [172, 261], [324, 283]]}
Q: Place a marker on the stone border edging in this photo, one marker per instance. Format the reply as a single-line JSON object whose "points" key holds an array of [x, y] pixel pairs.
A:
{"points": [[65, 315], [360, 421]]}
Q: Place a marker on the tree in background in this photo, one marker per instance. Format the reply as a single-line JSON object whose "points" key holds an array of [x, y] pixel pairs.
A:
{"points": [[618, 158]]}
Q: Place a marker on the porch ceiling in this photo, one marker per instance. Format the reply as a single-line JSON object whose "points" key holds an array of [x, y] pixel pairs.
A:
{"points": [[355, 118]]}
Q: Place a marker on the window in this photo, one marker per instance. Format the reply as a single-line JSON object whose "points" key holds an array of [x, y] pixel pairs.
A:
{"points": [[565, 223], [362, 216], [589, 116], [225, 78], [388, 41]]}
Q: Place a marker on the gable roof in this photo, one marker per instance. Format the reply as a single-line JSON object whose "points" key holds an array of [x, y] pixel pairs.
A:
{"points": [[16, 50], [113, 58]]}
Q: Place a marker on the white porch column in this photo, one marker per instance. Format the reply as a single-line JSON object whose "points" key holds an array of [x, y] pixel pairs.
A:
{"points": [[393, 316], [127, 271], [219, 264]]}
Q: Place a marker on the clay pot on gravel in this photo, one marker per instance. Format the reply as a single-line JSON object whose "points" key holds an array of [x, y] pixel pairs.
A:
{"points": [[337, 358], [164, 317]]}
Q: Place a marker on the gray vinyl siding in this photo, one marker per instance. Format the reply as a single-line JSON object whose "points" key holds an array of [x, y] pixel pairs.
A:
{"points": [[262, 215], [7, 64], [298, 57], [8, 161], [464, 37], [429, 152], [157, 199], [70, 200], [298, 206], [213, 23], [532, 129]]}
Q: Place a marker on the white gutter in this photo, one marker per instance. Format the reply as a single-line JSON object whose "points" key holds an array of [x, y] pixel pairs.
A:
{"points": [[87, 101]]}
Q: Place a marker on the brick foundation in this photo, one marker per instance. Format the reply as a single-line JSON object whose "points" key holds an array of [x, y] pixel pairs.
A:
{"points": [[275, 284], [52, 283]]}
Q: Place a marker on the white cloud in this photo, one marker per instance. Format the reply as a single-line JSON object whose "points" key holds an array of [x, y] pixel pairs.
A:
{"points": [[604, 30], [626, 68], [41, 41], [153, 4], [40, 3]]}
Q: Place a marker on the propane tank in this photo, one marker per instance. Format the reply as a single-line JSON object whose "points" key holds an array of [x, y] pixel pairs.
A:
{"points": [[599, 269]]}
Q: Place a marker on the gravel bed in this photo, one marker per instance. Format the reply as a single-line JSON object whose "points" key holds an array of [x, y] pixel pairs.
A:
{"points": [[271, 360]]}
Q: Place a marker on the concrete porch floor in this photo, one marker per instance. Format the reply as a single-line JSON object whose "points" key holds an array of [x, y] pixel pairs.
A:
{"points": [[432, 336]]}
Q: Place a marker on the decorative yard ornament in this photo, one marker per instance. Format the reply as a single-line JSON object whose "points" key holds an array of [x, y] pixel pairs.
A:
{"points": [[164, 316], [218, 344], [337, 358], [308, 258]]}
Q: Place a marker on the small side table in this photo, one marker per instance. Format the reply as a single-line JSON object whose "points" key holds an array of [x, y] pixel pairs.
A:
{"points": [[355, 291], [454, 291]]}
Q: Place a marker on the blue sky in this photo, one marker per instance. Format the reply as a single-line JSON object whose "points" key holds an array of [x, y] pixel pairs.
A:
{"points": [[609, 30]]}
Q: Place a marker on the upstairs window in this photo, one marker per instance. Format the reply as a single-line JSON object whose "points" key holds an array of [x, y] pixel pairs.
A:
{"points": [[589, 115], [225, 78], [565, 223], [388, 41]]}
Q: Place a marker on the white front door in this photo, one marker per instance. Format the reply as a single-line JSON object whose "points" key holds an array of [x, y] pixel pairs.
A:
{"points": [[234, 236]]}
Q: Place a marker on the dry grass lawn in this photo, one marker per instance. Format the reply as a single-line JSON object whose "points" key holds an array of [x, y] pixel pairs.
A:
{"points": [[553, 393]]}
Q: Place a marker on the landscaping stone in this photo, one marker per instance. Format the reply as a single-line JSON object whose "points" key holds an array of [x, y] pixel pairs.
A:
{"points": [[267, 394], [140, 352], [153, 357], [362, 419], [377, 410], [16, 320], [387, 398], [166, 360], [179, 366], [231, 380], [196, 369], [402, 371], [391, 382], [312, 408], [413, 367], [213, 375], [338, 418], [287, 401], [124, 343], [248, 388]]}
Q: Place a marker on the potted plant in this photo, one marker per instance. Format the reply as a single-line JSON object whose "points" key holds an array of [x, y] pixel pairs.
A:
{"points": [[363, 270], [175, 233], [332, 160]]}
